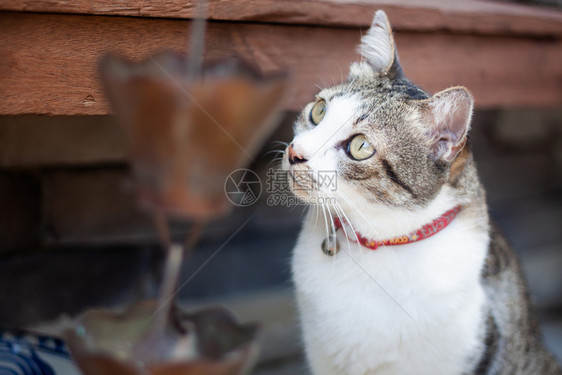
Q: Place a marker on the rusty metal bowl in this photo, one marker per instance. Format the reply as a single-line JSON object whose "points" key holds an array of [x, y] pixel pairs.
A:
{"points": [[206, 342]]}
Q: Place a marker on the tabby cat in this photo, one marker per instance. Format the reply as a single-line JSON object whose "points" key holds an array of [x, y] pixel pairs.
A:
{"points": [[400, 271]]}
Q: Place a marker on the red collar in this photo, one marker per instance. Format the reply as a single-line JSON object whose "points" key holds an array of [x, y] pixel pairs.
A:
{"points": [[422, 233]]}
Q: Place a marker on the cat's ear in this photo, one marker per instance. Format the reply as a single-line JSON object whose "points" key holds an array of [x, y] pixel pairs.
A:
{"points": [[377, 46], [448, 113]]}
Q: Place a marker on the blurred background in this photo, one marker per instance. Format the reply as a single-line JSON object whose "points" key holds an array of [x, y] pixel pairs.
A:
{"points": [[72, 236]]}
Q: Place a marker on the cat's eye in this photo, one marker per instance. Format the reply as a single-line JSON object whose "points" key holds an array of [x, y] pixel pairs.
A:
{"points": [[318, 111], [359, 148]]}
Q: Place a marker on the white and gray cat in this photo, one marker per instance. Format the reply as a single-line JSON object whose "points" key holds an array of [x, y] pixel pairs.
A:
{"points": [[449, 298]]}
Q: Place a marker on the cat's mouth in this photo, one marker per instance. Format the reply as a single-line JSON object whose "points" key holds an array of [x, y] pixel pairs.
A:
{"points": [[301, 182]]}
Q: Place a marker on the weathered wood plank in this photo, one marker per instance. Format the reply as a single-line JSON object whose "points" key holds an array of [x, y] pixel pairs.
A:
{"points": [[48, 62], [474, 16], [33, 141]]}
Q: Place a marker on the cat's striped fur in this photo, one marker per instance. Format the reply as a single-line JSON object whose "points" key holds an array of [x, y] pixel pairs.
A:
{"points": [[455, 303]]}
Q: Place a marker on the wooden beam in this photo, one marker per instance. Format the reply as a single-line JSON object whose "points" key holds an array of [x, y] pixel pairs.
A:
{"points": [[473, 16], [48, 63], [32, 141]]}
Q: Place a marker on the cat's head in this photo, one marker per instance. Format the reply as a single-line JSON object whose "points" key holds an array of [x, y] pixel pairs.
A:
{"points": [[386, 139]]}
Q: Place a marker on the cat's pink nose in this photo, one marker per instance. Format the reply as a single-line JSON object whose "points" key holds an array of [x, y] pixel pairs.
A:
{"points": [[295, 157]]}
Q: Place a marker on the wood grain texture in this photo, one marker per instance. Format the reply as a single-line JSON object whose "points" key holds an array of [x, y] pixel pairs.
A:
{"points": [[474, 16], [48, 63], [32, 141]]}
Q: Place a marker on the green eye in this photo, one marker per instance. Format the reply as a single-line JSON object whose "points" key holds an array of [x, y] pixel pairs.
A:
{"points": [[318, 112], [359, 148]]}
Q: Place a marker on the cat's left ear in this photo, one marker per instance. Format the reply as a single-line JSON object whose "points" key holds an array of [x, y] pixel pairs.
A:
{"points": [[377, 46], [448, 114]]}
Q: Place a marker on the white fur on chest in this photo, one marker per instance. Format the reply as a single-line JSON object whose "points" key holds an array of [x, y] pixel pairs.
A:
{"points": [[407, 309]]}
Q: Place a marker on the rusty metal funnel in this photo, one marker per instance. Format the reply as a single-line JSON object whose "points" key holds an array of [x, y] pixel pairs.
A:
{"points": [[186, 134]]}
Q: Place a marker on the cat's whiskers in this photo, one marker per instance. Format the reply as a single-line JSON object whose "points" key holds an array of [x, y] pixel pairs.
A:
{"points": [[334, 82], [274, 151], [275, 163], [341, 71], [327, 197], [281, 143], [356, 209], [345, 218], [315, 212], [326, 229], [347, 236], [305, 210], [329, 226], [323, 81], [344, 230], [278, 159], [331, 222], [314, 207], [342, 216]]}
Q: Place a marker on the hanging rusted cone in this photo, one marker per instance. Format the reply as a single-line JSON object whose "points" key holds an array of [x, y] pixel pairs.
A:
{"points": [[187, 134]]}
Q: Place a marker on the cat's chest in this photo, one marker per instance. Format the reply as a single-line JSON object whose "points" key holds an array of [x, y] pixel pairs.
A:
{"points": [[445, 264], [377, 308]]}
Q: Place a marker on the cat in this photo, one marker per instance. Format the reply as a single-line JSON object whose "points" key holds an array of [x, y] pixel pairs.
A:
{"points": [[400, 270]]}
